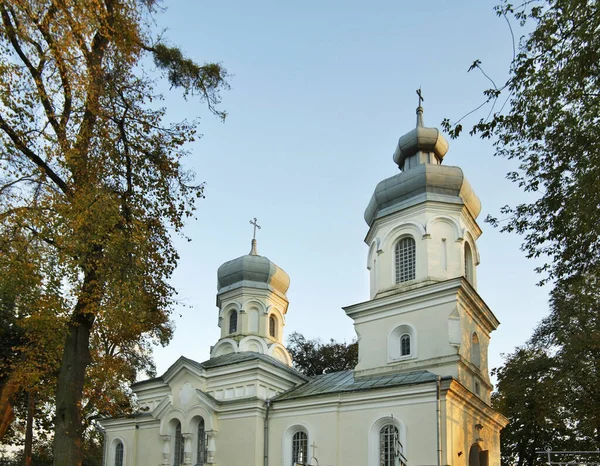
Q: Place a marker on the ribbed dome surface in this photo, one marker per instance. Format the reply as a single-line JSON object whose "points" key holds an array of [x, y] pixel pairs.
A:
{"points": [[420, 139], [396, 192], [252, 271]]}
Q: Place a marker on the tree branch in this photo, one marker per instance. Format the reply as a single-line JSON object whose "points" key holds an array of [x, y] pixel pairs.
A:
{"points": [[66, 85], [10, 132], [33, 71]]}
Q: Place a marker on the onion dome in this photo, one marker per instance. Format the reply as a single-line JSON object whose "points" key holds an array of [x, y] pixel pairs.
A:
{"points": [[418, 145], [419, 155], [426, 181], [252, 271]]}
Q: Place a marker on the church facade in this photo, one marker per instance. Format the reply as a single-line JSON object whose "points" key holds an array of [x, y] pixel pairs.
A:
{"points": [[420, 393]]}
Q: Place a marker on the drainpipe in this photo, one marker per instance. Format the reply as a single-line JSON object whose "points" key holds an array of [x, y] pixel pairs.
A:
{"points": [[266, 434], [439, 420]]}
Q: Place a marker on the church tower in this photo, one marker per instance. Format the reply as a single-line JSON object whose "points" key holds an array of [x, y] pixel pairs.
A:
{"points": [[424, 311], [252, 304]]}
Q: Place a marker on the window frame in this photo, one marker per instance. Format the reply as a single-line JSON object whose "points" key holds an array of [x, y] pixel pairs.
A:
{"points": [[375, 439], [302, 442], [201, 443], [233, 322], [118, 443], [287, 442], [178, 445], [394, 349], [272, 326], [405, 337], [405, 259]]}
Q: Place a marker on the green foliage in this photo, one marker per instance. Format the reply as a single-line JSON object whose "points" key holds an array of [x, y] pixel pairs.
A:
{"points": [[549, 389], [572, 334], [92, 187], [548, 123], [529, 394], [312, 357], [545, 117]]}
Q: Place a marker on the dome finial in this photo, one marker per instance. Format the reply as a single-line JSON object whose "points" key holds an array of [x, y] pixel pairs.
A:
{"points": [[253, 251], [420, 109], [420, 145]]}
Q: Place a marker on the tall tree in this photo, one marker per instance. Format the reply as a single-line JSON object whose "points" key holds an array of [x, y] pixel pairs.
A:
{"points": [[313, 357], [545, 117], [571, 333], [529, 393], [91, 181]]}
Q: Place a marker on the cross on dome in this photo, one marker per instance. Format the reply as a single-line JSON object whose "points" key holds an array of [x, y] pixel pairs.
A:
{"points": [[253, 251], [421, 99]]}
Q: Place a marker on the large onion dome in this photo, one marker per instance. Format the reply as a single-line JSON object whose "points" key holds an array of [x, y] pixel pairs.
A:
{"points": [[419, 155], [252, 271]]}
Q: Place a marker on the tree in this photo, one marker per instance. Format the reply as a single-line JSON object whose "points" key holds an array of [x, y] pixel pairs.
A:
{"points": [[528, 393], [312, 357], [91, 183], [545, 117], [572, 334]]}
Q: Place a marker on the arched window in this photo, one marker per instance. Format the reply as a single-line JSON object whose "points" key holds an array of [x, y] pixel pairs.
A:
{"points": [[402, 343], [233, 322], [390, 447], [468, 263], [272, 326], [477, 456], [405, 345], [179, 445], [405, 259], [201, 444], [299, 448], [119, 454], [475, 350]]}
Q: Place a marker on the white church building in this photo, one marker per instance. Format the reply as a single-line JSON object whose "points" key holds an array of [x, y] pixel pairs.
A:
{"points": [[420, 393]]}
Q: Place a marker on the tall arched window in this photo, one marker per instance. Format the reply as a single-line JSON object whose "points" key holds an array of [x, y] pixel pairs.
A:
{"points": [[390, 447], [475, 350], [405, 259], [233, 322], [272, 326], [119, 454], [299, 448], [405, 345], [179, 445], [201, 444], [468, 263]]}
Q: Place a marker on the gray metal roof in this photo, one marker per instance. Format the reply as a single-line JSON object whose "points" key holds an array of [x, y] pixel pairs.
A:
{"points": [[344, 381], [420, 139], [252, 270], [392, 193]]}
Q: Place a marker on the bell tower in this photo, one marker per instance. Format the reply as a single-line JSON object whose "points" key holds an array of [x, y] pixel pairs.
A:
{"points": [[424, 311], [252, 304]]}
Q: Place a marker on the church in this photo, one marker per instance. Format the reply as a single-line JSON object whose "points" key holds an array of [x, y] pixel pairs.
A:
{"points": [[420, 392]]}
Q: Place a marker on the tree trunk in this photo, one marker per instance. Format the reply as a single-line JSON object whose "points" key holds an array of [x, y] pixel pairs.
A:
{"points": [[29, 430], [7, 392], [68, 426], [68, 429]]}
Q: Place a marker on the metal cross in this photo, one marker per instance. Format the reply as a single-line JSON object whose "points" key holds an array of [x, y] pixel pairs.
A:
{"points": [[256, 225], [314, 447], [421, 99]]}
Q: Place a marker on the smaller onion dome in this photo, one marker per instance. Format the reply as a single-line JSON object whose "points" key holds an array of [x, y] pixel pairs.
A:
{"points": [[252, 271], [420, 140]]}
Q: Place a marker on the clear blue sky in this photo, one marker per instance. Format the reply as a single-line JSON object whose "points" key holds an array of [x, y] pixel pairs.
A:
{"points": [[320, 93]]}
